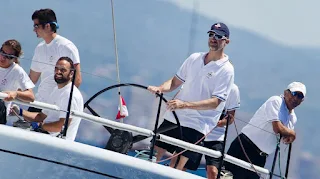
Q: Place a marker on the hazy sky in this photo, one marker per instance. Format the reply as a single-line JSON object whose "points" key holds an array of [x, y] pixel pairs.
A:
{"points": [[290, 22]]}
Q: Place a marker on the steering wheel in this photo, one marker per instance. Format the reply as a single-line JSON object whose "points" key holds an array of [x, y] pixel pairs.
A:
{"points": [[124, 135]]}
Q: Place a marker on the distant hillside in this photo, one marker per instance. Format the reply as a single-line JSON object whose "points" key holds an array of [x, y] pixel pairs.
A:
{"points": [[153, 41]]}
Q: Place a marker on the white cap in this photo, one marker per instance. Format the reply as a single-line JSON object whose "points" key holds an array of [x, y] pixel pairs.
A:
{"points": [[297, 86]]}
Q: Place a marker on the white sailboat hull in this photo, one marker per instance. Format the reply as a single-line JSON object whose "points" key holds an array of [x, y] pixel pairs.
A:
{"points": [[30, 155]]}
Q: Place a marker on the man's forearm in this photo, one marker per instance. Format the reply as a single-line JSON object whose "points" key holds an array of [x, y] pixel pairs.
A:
{"points": [[26, 96], [78, 79], [53, 126], [170, 85], [33, 116], [278, 127], [203, 105]]}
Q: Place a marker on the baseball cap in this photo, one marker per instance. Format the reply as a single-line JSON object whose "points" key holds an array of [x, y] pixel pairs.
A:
{"points": [[220, 29], [297, 86]]}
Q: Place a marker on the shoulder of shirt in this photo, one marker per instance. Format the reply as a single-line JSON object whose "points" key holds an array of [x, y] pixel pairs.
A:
{"points": [[41, 44], [228, 67], [276, 99], [196, 55], [18, 68], [62, 41]]}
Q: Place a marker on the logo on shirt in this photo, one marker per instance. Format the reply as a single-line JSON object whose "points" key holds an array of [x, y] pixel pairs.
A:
{"points": [[51, 59], [210, 74], [4, 82]]}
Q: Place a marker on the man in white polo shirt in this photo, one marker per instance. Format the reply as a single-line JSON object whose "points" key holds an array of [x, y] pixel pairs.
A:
{"points": [[48, 52], [207, 79], [52, 121], [259, 138]]}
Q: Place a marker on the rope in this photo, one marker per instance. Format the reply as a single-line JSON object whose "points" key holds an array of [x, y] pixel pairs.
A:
{"points": [[58, 163], [279, 158], [186, 149], [115, 42], [244, 151], [116, 54]]}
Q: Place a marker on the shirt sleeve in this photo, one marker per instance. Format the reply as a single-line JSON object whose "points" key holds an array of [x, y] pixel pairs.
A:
{"points": [[224, 81], [273, 106], [25, 81], [233, 100]]}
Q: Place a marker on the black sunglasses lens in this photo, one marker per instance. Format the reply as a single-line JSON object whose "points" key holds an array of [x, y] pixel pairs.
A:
{"points": [[299, 95], [218, 36]]}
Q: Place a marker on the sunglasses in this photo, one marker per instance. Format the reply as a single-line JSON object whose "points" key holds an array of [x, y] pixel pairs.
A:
{"points": [[36, 26], [297, 94], [7, 56], [217, 36]]}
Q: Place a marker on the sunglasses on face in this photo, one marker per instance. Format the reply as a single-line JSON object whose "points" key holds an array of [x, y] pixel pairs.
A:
{"points": [[297, 94], [7, 56], [36, 26], [216, 36]]}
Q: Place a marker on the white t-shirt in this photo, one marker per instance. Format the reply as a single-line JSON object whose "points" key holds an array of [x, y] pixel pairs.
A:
{"points": [[45, 58], [12, 79], [274, 109], [232, 103], [201, 82], [60, 97]]}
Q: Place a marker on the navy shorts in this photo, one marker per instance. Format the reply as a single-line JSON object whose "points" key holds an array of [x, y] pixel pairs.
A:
{"points": [[214, 145], [188, 135], [217, 146], [33, 109]]}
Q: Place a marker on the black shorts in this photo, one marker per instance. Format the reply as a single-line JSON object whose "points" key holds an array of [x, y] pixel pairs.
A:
{"points": [[188, 135], [214, 145], [33, 109], [217, 146], [253, 153]]}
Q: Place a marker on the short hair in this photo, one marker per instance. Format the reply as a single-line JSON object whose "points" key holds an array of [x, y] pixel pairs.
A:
{"points": [[68, 60], [46, 16]]}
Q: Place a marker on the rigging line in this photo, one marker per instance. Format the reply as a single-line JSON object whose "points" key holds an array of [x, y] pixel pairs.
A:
{"points": [[175, 155], [116, 54], [58, 163], [194, 22], [104, 77], [115, 42], [244, 151]]}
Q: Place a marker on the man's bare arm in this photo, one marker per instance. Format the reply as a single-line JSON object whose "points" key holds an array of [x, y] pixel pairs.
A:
{"points": [[211, 103], [279, 128], [223, 122], [207, 104], [33, 116], [78, 79], [34, 76], [167, 86], [55, 126], [26, 96]]}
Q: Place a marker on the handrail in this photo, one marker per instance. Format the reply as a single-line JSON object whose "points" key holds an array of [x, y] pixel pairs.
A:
{"points": [[145, 132], [112, 124], [36, 104]]}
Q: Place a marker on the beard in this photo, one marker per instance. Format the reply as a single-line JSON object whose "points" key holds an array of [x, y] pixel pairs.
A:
{"points": [[61, 80]]}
